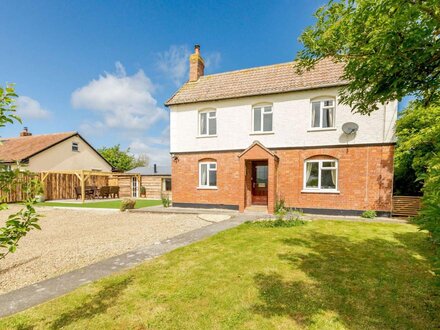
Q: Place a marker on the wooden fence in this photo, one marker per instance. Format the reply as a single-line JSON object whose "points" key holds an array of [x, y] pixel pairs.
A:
{"points": [[62, 185], [406, 206], [15, 192]]}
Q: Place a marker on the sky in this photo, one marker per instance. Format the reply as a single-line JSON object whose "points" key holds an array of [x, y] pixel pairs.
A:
{"points": [[105, 68]]}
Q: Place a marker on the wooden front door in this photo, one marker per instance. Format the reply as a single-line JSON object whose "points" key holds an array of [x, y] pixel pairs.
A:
{"points": [[259, 183]]}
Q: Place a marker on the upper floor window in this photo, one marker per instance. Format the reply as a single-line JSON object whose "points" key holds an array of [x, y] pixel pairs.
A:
{"points": [[323, 114], [207, 123], [320, 175], [75, 146], [208, 175], [262, 119]]}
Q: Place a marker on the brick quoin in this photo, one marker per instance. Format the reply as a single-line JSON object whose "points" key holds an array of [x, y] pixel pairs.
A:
{"points": [[365, 177]]}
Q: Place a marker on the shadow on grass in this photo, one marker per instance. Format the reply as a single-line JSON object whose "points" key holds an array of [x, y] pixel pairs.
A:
{"points": [[94, 305], [372, 284]]}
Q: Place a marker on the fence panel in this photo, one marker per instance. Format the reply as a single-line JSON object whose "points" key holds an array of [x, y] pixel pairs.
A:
{"points": [[62, 185], [407, 206], [15, 191]]}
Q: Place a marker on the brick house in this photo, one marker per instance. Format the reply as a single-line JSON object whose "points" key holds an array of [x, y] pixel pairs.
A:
{"points": [[250, 136]]}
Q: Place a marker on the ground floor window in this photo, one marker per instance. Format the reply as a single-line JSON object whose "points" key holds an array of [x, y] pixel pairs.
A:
{"points": [[320, 175], [166, 184], [208, 175]]}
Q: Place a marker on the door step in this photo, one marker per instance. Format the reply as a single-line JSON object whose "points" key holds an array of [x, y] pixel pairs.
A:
{"points": [[257, 208]]}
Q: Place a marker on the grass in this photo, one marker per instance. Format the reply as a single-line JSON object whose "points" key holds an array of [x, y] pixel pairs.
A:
{"points": [[112, 204], [323, 275]]}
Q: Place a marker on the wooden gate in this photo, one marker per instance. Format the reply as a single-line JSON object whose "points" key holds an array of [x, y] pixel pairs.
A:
{"points": [[407, 206]]}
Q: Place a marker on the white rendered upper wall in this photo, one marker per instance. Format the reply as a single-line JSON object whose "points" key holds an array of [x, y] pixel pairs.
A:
{"points": [[291, 123]]}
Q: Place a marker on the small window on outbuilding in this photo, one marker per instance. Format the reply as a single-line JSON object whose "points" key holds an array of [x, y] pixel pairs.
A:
{"points": [[75, 146], [166, 184]]}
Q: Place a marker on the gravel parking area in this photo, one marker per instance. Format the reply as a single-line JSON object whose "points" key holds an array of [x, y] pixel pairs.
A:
{"points": [[71, 239]]}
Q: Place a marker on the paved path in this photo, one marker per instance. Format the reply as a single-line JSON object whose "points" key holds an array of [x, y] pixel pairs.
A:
{"points": [[21, 299]]}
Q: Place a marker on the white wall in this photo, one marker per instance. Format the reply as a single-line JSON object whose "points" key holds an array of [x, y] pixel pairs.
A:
{"points": [[291, 123], [61, 157]]}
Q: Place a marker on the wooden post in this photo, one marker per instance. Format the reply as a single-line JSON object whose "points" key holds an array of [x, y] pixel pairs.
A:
{"points": [[83, 187]]}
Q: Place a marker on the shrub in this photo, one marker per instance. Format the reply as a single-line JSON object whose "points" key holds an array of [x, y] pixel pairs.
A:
{"points": [[127, 204], [369, 214], [166, 202], [429, 215], [284, 218], [143, 191], [279, 204]]}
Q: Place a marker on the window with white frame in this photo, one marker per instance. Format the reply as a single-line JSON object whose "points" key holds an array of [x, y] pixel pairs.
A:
{"points": [[323, 114], [207, 123], [208, 175], [262, 119], [321, 175]]}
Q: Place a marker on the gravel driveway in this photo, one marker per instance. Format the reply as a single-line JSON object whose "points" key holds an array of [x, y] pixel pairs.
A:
{"points": [[71, 239]]}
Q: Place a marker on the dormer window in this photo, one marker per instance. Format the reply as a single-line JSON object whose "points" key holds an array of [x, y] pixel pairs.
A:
{"points": [[262, 119], [207, 123], [75, 146], [323, 114]]}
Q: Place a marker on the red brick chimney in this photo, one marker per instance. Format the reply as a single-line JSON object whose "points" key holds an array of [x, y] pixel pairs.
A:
{"points": [[25, 132], [196, 65]]}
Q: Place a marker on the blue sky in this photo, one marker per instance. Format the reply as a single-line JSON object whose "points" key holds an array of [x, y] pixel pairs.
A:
{"points": [[105, 68]]}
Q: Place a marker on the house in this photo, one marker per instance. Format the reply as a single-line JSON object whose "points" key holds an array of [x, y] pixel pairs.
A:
{"points": [[250, 137], [51, 152], [156, 180]]}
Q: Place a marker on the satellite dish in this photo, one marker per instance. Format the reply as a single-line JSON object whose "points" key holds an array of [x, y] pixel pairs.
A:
{"points": [[350, 128]]}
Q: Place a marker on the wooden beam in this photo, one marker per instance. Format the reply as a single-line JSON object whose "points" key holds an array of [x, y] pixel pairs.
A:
{"points": [[83, 187]]}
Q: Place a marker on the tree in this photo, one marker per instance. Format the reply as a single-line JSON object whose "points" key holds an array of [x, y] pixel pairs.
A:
{"points": [[418, 144], [122, 160], [18, 224], [390, 48]]}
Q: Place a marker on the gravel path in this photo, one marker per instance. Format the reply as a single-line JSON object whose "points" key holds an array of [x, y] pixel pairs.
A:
{"points": [[71, 239]]}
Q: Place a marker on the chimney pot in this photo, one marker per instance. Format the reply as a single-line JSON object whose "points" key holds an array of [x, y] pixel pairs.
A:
{"points": [[25, 132], [155, 168], [196, 65]]}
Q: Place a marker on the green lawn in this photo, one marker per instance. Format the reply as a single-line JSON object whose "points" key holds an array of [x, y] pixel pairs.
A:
{"points": [[324, 275], [112, 204]]}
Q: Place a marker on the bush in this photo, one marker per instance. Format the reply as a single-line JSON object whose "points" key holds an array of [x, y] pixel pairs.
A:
{"points": [[279, 204], [127, 204], [369, 214], [143, 191], [166, 202], [284, 218], [429, 215]]}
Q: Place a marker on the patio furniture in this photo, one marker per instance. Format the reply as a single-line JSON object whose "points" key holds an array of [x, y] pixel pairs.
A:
{"points": [[88, 192], [114, 191], [104, 192]]}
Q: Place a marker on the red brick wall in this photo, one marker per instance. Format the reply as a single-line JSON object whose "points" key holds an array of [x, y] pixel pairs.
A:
{"points": [[364, 178], [185, 179]]}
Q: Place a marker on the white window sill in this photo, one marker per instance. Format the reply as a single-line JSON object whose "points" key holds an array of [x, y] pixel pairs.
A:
{"points": [[206, 136], [321, 191], [262, 133], [207, 188], [321, 129]]}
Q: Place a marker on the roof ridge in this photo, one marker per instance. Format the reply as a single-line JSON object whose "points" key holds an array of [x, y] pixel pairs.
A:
{"points": [[246, 69], [34, 135]]}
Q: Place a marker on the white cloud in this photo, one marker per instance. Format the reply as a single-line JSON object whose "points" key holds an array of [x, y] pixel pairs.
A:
{"points": [[28, 108], [156, 154], [174, 63], [123, 101]]}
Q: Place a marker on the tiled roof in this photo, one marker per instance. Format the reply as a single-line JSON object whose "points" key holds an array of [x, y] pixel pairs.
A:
{"points": [[23, 147], [272, 79]]}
